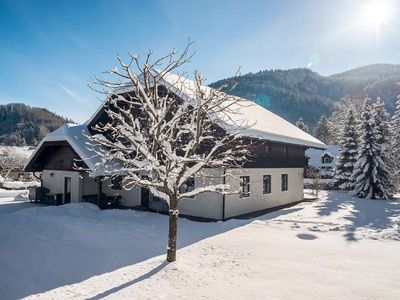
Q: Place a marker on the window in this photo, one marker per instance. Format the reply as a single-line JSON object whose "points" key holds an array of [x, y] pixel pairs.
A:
{"points": [[267, 184], [116, 182], [188, 186], [284, 184], [244, 186]]}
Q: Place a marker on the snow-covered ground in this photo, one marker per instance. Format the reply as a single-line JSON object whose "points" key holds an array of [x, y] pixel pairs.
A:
{"points": [[11, 201], [335, 248], [19, 185]]}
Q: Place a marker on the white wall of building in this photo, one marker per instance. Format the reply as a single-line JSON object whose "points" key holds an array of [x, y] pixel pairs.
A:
{"points": [[54, 181], [89, 186], [234, 205], [207, 205], [129, 198], [82, 184]]}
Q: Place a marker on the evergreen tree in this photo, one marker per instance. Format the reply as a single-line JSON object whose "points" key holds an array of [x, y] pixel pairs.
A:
{"points": [[384, 139], [322, 130], [395, 142], [371, 174], [382, 119], [300, 123], [347, 154]]}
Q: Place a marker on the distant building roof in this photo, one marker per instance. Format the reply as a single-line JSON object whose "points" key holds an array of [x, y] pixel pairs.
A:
{"points": [[315, 156]]}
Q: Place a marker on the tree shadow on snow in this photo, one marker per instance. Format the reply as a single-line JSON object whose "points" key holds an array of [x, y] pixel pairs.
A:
{"points": [[362, 213], [43, 248], [130, 283]]}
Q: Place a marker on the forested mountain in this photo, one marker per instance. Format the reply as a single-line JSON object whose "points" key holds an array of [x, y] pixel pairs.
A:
{"points": [[303, 93], [24, 125]]}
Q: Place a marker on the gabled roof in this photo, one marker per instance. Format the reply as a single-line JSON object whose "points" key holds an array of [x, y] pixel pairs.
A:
{"points": [[76, 137], [265, 124], [315, 156]]}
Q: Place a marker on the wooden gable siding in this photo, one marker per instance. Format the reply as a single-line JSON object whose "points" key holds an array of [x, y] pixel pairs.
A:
{"points": [[103, 118], [276, 156], [62, 158], [55, 156]]}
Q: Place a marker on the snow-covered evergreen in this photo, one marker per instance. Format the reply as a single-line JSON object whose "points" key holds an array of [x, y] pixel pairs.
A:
{"points": [[337, 120], [322, 130], [382, 119], [347, 154], [303, 126], [395, 143], [372, 174]]}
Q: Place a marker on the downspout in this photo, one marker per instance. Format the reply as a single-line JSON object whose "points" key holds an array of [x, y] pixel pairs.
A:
{"points": [[223, 197]]}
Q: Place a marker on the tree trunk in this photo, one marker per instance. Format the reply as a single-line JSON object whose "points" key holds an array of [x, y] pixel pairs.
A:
{"points": [[173, 230]]}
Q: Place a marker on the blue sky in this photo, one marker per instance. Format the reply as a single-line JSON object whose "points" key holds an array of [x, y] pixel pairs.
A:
{"points": [[49, 50]]}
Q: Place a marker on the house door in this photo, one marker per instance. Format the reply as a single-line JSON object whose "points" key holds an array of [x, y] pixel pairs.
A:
{"points": [[145, 197], [67, 190]]}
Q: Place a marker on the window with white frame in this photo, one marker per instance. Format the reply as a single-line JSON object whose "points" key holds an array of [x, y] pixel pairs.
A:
{"points": [[244, 186], [267, 184], [284, 183]]}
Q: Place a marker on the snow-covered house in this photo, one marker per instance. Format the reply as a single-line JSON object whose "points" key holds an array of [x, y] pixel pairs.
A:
{"points": [[274, 177], [323, 159]]}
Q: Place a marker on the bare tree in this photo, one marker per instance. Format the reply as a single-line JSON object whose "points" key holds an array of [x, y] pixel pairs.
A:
{"points": [[10, 161], [159, 138]]}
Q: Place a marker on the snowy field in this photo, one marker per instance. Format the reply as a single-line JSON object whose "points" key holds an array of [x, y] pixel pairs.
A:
{"points": [[335, 248]]}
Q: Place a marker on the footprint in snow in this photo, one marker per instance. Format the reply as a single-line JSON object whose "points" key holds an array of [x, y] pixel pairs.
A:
{"points": [[306, 236]]}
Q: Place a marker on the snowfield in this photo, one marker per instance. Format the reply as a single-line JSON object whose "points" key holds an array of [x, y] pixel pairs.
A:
{"points": [[335, 248]]}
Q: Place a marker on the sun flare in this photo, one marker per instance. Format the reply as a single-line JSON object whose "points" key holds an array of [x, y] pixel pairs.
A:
{"points": [[376, 13]]}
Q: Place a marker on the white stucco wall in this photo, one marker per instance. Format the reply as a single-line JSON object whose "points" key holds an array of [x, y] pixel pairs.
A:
{"points": [[129, 198], [54, 181], [234, 205], [89, 186], [206, 205]]}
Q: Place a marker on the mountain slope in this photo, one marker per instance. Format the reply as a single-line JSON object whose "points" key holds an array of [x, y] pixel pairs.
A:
{"points": [[302, 92], [24, 125]]}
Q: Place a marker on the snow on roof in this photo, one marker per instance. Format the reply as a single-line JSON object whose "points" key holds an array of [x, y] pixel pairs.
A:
{"points": [[265, 124], [315, 156], [76, 136], [327, 153]]}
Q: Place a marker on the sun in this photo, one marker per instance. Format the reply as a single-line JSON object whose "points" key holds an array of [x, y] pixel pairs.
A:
{"points": [[376, 13]]}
